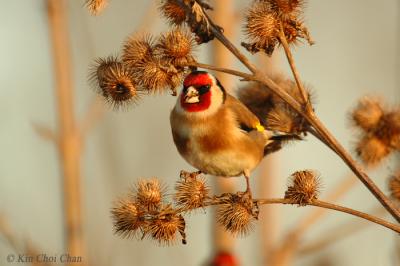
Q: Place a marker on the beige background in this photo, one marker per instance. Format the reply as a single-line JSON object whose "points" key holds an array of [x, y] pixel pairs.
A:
{"points": [[357, 52]]}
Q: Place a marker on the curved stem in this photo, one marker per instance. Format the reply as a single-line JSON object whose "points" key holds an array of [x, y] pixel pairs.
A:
{"points": [[335, 207], [293, 67], [220, 69]]}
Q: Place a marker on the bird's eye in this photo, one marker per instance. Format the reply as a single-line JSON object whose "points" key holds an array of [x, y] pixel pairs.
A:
{"points": [[204, 89]]}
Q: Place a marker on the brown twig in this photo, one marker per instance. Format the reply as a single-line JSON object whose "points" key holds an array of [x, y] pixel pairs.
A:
{"points": [[293, 67], [335, 207], [69, 137], [314, 121]]}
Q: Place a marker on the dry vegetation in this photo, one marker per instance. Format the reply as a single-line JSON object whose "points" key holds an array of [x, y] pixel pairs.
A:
{"points": [[157, 64]]}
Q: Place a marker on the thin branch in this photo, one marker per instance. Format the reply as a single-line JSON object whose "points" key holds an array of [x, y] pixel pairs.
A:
{"points": [[221, 69], [317, 203], [69, 138], [339, 208], [296, 74]]}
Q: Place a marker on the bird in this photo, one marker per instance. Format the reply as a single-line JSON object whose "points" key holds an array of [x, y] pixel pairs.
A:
{"points": [[215, 132]]}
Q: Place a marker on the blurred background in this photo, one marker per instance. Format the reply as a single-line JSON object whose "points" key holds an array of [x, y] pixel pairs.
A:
{"points": [[356, 53]]}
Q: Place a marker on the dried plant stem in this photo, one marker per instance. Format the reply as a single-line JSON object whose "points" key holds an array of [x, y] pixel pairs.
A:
{"points": [[335, 207], [293, 67], [69, 137], [310, 116]]}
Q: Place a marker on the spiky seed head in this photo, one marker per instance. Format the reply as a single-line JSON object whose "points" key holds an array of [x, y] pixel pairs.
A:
{"points": [[394, 186], [166, 225], [371, 150], [149, 193], [95, 7], [153, 76], [288, 7], [176, 46], [115, 82], [304, 187], [173, 12], [191, 192], [368, 113], [282, 119], [262, 27], [128, 218], [237, 213], [137, 49]]}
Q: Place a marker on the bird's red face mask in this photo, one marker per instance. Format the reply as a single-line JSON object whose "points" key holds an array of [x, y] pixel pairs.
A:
{"points": [[196, 93]]}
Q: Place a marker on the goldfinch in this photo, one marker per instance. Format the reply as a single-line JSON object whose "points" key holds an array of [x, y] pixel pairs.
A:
{"points": [[215, 132]]}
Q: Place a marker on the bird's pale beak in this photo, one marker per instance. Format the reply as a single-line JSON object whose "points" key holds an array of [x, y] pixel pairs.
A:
{"points": [[192, 95]]}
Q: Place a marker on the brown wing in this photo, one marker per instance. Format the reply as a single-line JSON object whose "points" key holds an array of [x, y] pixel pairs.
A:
{"points": [[246, 119]]}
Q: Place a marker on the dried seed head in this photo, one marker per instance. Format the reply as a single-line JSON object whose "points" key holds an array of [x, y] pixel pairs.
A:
{"points": [[174, 13], [115, 81], [137, 49], [287, 8], [304, 187], [157, 77], [262, 28], [191, 192], [265, 19], [197, 20], [282, 119], [237, 213], [176, 47], [368, 113], [372, 150], [271, 110], [166, 225], [128, 218], [388, 130], [394, 186], [149, 194], [381, 130], [96, 6]]}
